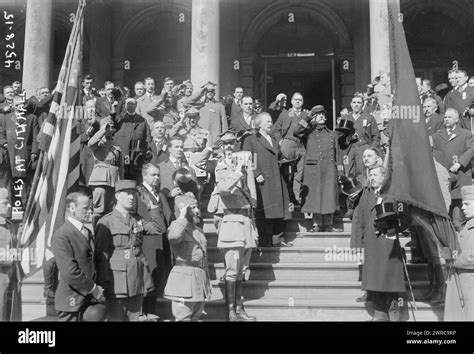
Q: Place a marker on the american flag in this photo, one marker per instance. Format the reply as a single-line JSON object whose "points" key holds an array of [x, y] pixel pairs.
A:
{"points": [[58, 167]]}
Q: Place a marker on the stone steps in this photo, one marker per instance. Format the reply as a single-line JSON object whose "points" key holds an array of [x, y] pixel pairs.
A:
{"points": [[308, 310]]}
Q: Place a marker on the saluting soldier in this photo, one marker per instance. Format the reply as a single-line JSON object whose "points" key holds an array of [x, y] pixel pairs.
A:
{"points": [[188, 283], [122, 269]]}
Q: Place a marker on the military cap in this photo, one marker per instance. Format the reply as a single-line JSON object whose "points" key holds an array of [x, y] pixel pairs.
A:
{"points": [[210, 86], [191, 110], [227, 136], [94, 313], [280, 96], [187, 83], [125, 184], [185, 199], [258, 102], [317, 109], [3, 193], [467, 193]]}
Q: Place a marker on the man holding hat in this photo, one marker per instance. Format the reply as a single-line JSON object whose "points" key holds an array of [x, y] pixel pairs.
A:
{"points": [[277, 107], [122, 269], [133, 136], [188, 284], [319, 187], [10, 295], [459, 304], [73, 249]]}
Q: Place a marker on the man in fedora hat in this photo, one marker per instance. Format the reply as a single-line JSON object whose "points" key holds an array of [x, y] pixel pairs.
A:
{"points": [[188, 284], [73, 249], [122, 269], [319, 187]]}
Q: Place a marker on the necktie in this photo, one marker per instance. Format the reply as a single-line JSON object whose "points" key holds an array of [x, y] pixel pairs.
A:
{"points": [[177, 164]]}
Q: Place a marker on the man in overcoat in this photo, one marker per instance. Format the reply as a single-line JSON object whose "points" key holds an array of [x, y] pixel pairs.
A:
{"points": [[454, 149], [273, 202], [319, 187]]}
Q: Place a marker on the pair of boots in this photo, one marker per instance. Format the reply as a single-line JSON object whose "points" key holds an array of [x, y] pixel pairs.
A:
{"points": [[437, 282], [234, 305]]}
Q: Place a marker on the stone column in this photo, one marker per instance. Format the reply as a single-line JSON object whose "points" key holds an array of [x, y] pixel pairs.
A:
{"points": [[205, 43], [379, 43], [37, 54], [99, 27]]}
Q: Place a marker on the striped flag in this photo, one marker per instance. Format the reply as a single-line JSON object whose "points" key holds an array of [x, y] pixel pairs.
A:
{"points": [[58, 167]]}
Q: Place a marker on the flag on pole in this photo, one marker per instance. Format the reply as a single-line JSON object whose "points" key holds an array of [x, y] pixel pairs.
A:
{"points": [[58, 167], [411, 174]]}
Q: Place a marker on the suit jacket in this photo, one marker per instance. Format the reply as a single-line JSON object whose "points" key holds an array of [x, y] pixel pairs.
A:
{"points": [[459, 146], [75, 259], [460, 99], [103, 107], [287, 123], [88, 96], [160, 151]]}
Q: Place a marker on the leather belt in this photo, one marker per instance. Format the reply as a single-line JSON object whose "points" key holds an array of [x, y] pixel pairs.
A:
{"points": [[198, 264]]}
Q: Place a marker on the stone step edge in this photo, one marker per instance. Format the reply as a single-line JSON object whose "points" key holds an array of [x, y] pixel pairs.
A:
{"points": [[309, 265]]}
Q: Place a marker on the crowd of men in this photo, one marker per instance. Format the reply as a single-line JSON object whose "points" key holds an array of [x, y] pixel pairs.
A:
{"points": [[133, 231]]}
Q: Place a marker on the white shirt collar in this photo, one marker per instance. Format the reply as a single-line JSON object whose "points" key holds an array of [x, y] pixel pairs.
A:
{"points": [[147, 186], [174, 160], [77, 224]]}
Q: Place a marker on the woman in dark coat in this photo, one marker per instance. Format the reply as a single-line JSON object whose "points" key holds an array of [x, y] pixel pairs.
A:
{"points": [[320, 186], [273, 202]]}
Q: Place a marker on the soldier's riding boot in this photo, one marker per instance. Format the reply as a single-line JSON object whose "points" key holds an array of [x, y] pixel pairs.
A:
{"points": [[438, 296], [394, 312], [427, 296], [239, 306], [231, 316]]}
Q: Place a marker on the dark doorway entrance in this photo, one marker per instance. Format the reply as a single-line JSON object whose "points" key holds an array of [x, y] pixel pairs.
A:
{"points": [[311, 76]]}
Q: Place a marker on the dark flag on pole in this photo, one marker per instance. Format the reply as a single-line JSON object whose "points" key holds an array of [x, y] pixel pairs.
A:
{"points": [[411, 174], [58, 165]]}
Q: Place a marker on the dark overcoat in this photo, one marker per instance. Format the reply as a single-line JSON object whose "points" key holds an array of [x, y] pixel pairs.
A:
{"points": [[319, 188], [272, 196], [459, 146], [383, 265]]}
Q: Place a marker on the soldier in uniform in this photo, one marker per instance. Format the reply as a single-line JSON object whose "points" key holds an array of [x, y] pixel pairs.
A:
{"points": [[122, 269], [108, 168], [195, 139], [10, 295], [188, 283]]}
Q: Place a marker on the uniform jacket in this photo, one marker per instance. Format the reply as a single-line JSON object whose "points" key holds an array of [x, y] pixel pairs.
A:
{"points": [[235, 191], [8, 135], [383, 266], [122, 269], [74, 256], [464, 266], [319, 188], [109, 162], [459, 146], [213, 119], [188, 283], [272, 195]]}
